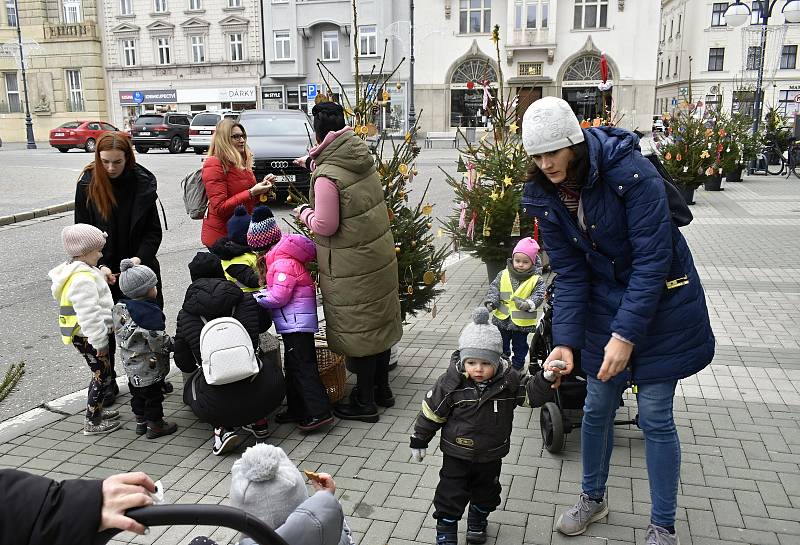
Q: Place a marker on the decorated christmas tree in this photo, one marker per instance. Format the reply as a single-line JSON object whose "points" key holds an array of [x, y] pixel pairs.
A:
{"points": [[486, 219]]}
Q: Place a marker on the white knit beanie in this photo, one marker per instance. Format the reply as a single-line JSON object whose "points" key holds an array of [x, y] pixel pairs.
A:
{"points": [[82, 238], [549, 124], [265, 483], [480, 339]]}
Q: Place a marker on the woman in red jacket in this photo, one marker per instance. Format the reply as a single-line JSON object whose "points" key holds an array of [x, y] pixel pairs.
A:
{"points": [[229, 179]]}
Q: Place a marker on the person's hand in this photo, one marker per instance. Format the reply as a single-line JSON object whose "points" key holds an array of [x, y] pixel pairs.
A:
{"points": [[562, 354], [301, 161], [617, 354], [111, 278], [418, 454], [299, 210], [122, 492], [264, 186], [325, 483], [522, 304]]}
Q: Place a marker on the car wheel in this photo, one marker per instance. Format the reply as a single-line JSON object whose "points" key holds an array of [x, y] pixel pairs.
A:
{"points": [[176, 144], [90, 145], [142, 149], [63, 150]]}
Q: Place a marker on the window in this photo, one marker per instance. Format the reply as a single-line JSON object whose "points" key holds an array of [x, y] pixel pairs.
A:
{"points": [[675, 73], [11, 13], [126, 7], [744, 102], [716, 59], [128, 52], [74, 91], [755, 12], [671, 27], [198, 46], [787, 103], [718, 13], [195, 5], [528, 12], [72, 11], [669, 63], [282, 45], [12, 92], [789, 57], [160, 6], [330, 45], [236, 46], [590, 14], [661, 71], [754, 57], [367, 40], [234, 3], [664, 33], [680, 20], [529, 69], [713, 102], [163, 51], [475, 16]]}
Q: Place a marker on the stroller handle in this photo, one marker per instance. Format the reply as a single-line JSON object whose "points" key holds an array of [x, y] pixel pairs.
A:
{"points": [[193, 515]]}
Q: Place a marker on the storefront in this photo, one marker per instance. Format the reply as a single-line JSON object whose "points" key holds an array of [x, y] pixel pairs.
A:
{"points": [[579, 87], [137, 102], [467, 92]]}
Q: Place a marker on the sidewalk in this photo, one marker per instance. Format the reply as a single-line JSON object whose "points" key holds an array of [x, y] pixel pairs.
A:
{"points": [[739, 420]]}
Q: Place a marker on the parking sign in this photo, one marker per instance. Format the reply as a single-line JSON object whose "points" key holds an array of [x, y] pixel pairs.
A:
{"points": [[311, 91]]}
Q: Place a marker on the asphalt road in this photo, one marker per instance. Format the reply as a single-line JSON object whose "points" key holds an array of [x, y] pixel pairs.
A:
{"points": [[32, 179]]}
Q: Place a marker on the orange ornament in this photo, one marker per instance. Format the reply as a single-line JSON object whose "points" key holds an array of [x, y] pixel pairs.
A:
{"points": [[585, 124], [678, 157], [668, 156]]}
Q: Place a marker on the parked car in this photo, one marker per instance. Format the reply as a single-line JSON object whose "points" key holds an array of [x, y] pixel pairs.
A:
{"points": [[203, 126], [276, 137], [658, 124], [80, 134], [170, 130]]}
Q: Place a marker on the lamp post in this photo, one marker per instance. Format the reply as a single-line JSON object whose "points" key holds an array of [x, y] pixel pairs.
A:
{"points": [[28, 121], [738, 14], [412, 115]]}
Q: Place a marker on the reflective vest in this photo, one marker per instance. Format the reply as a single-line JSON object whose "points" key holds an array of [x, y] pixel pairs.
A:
{"points": [[247, 258], [507, 307], [67, 319]]}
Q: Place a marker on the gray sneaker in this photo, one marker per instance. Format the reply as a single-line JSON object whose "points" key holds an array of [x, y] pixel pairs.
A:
{"points": [[577, 518], [656, 535], [104, 426]]}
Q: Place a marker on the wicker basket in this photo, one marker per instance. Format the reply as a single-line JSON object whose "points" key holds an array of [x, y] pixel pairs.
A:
{"points": [[331, 370]]}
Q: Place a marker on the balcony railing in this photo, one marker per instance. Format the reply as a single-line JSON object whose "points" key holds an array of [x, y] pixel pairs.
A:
{"points": [[529, 36], [70, 31]]}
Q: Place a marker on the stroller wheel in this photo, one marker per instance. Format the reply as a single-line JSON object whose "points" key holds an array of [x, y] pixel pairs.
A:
{"points": [[551, 422]]}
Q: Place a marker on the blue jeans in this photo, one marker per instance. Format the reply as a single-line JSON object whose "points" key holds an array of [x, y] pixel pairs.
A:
{"points": [[662, 447], [519, 341]]}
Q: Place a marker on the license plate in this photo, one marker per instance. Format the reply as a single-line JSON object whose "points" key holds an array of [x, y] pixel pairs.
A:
{"points": [[59, 134], [205, 132], [288, 179], [143, 133]]}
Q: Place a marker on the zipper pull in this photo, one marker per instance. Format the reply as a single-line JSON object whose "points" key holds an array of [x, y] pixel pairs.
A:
{"points": [[495, 405]]}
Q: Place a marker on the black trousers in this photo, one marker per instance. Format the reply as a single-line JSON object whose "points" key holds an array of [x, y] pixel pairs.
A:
{"points": [[101, 368], [371, 371], [462, 482], [146, 401], [305, 394]]}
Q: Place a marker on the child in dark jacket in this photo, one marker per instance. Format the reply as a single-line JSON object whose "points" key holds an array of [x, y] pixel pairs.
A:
{"points": [[513, 297], [473, 403], [238, 259], [144, 346]]}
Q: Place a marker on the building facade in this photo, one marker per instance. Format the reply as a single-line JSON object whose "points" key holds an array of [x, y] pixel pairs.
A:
{"points": [[64, 65], [181, 55], [702, 59]]}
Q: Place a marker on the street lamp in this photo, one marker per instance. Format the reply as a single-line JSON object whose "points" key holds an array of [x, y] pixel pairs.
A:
{"points": [[28, 121], [738, 14], [412, 115]]}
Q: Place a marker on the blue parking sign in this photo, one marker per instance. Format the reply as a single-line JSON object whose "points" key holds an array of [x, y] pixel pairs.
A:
{"points": [[311, 91], [674, 101]]}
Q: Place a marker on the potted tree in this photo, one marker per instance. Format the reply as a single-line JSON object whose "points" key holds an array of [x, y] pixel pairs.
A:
{"points": [[745, 146]]}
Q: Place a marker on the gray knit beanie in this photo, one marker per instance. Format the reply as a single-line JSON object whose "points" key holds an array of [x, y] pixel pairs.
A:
{"points": [[265, 483], [480, 339], [135, 280]]}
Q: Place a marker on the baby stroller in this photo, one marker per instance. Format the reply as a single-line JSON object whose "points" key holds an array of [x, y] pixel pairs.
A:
{"points": [[559, 417]]}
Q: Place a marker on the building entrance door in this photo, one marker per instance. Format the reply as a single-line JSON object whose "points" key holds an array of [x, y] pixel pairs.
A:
{"points": [[527, 96], [585, 101]]}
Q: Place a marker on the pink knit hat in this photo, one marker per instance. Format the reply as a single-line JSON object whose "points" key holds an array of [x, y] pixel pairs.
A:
{"points": [[82, 238], [527, 246]]}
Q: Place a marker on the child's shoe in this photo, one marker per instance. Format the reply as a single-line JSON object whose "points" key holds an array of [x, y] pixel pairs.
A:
{"points": [[447, 532], [104, 426], [476, 524], [141, 425], [226, 440], [259, 429], [160, 428], [110, 414]]}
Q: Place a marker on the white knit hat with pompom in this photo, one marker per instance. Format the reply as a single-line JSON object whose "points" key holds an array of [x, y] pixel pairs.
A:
{"points": [[265, 483], [480, 339]]}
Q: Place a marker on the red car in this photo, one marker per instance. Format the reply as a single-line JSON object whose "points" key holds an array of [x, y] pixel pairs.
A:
{"points": [[80, 134]]}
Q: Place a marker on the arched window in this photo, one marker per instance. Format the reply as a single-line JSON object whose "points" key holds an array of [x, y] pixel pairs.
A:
{"points": [[474, 70], [585, 69], [466, 92]]}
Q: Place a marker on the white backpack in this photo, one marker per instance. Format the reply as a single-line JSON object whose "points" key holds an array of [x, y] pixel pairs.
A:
{"points": [[226, 351]]}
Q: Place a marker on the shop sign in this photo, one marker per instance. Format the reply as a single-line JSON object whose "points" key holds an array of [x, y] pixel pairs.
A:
{"points": [[272, 95], [155, 96]]}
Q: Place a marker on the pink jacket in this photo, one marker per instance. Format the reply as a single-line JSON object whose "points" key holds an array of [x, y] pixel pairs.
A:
{"points": [[290, 291]]}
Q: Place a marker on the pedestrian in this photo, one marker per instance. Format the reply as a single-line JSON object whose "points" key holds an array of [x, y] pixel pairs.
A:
{"points": [[513, 297], [291, 295], [118, 196], [238, 259], [144, 347], [229, 180], [473, 404], [85, 305], [356, 257], [629, 297], [239, 408]]}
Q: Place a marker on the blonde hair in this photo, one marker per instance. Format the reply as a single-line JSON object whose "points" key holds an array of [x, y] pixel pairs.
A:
{"points": [[223, 147]]}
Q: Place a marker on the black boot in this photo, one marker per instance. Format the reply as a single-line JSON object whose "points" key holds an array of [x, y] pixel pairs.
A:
{"points": [[141, 425], [476, 524], [383, 392], [447, 533], [362, 404], [383, 397], [110, 390]]}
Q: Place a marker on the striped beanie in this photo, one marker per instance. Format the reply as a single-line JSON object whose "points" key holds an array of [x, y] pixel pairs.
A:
{"points": [[264, 231]]}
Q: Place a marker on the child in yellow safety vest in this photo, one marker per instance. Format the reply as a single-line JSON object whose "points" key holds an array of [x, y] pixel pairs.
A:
{"points": [[85, 304], [238, 259], [513, 297]]}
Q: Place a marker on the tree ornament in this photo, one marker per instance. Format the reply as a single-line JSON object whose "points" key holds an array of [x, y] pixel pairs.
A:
{"points": [[515, 231], [403, 169], [398, 85], [397, 249], [289, 198], [410, 290], [513, 128], [427, 209], [429, 225], [507, 180], [429, 277], [487, 230], [470, 85]]}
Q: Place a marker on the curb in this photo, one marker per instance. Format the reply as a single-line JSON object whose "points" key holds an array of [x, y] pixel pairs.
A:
{"points": [[38, 213]]}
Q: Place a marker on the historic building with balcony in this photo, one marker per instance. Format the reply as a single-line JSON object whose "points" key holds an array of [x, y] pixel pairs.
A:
{"points": [[181, 55], [64, 65]]}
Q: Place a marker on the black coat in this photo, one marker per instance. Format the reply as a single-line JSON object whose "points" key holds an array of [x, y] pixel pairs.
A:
{"points": [[143, 233], [234, 404], [40, 511]]}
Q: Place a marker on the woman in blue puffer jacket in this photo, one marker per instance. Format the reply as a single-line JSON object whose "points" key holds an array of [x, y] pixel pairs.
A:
{"points": [[628, 297]]}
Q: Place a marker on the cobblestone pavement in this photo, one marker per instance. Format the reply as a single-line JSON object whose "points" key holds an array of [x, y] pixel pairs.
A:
{"points": [[738, 420]]}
